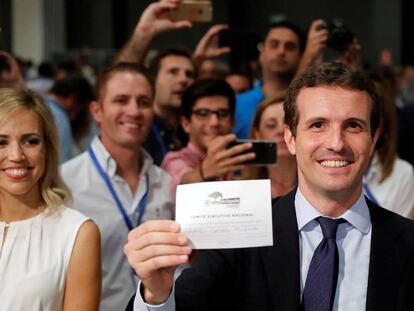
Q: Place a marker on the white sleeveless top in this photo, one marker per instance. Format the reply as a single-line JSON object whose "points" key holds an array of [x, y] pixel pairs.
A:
{"points": [[34, 259]]}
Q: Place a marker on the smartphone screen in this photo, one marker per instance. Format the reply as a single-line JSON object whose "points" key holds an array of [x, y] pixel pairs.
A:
{"points": [[265, 150], [195, 11]]}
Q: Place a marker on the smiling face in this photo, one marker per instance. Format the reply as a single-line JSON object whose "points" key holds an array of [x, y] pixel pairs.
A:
{"points": [[124, 111], [203, 129], [333, 142], [22, 154], [271, 127]]}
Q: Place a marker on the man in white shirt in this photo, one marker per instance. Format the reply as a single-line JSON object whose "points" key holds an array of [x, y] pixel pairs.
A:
{"points": [[333, 249], [115, 182]]}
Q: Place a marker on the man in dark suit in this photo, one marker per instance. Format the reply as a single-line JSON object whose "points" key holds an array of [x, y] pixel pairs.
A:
{"points": [[364, 263]]}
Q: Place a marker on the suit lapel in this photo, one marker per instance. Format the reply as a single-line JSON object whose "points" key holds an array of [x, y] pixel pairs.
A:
{"points": [[281, 261], [384, 262]]}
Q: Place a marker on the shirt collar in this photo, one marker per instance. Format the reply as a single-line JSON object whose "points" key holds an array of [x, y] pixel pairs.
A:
{"points": [[52, 101], [258, 91], [147, 161], [358, 215], [259, 86], [109, 164], [196, 151], [255, 92]]}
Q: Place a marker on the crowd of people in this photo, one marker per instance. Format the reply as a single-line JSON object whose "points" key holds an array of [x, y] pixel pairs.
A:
{"points": [[90, 164]]}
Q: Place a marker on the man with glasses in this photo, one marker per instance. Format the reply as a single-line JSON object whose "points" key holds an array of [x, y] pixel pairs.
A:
{"points": [[207, 117]]}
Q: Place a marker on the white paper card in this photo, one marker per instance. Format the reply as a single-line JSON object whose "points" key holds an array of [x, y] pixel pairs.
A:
{"points": [[226, 214]]}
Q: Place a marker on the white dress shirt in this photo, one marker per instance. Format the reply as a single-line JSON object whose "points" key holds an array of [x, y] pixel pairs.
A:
{"points": [[92, 197], [354, 244]]}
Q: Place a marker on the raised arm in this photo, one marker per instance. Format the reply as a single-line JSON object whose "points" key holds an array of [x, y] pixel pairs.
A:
{"points": [[83, 280], [208, 46], [154, 250], [153, 21], [315, 45]]}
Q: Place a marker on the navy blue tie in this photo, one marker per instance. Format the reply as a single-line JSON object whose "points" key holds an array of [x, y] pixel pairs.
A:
{"points": [[320, 287]]}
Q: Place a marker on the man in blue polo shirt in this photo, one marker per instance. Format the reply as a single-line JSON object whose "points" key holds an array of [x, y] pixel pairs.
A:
{"points": [[282, 56], [279, 57]]}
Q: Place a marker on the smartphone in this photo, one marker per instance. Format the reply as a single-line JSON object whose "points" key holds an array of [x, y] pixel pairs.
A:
{"points": [[196, 11], [265, 150]]}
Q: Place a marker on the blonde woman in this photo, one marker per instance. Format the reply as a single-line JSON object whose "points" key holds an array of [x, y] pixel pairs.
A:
{"points": [[268, 124], [49, 254]]}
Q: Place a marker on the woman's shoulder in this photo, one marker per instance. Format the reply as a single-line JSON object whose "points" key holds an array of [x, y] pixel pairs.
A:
{"points": [[68, 224], [65, 216]]}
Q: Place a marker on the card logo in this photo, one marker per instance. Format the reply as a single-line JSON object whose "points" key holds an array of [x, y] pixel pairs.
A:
{"points": [[217, 199]]}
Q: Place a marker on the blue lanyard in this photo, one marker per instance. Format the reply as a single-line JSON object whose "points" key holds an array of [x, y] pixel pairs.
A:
{"points": [[156, 132], [142, 203]]}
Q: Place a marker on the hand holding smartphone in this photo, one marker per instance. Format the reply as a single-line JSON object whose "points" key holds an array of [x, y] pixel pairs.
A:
{"points": [[193, 10], [265, 150]]}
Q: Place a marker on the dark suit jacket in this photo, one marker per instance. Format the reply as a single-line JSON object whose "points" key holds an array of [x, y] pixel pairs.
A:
{"points": [[268, 278]]}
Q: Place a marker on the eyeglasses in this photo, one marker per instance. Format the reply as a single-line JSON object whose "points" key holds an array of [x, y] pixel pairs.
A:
{"points": [[205, 113]]}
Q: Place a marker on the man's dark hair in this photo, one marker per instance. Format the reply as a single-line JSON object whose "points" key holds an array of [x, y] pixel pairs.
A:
{"points": [[205, 88], [291, 26], [107, 73], [171, 51], [331, 74], [82, 90], [74, 85]]}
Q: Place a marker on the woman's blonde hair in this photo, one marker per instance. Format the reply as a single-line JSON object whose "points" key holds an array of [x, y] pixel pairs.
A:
{"points": [[53, 191]]}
